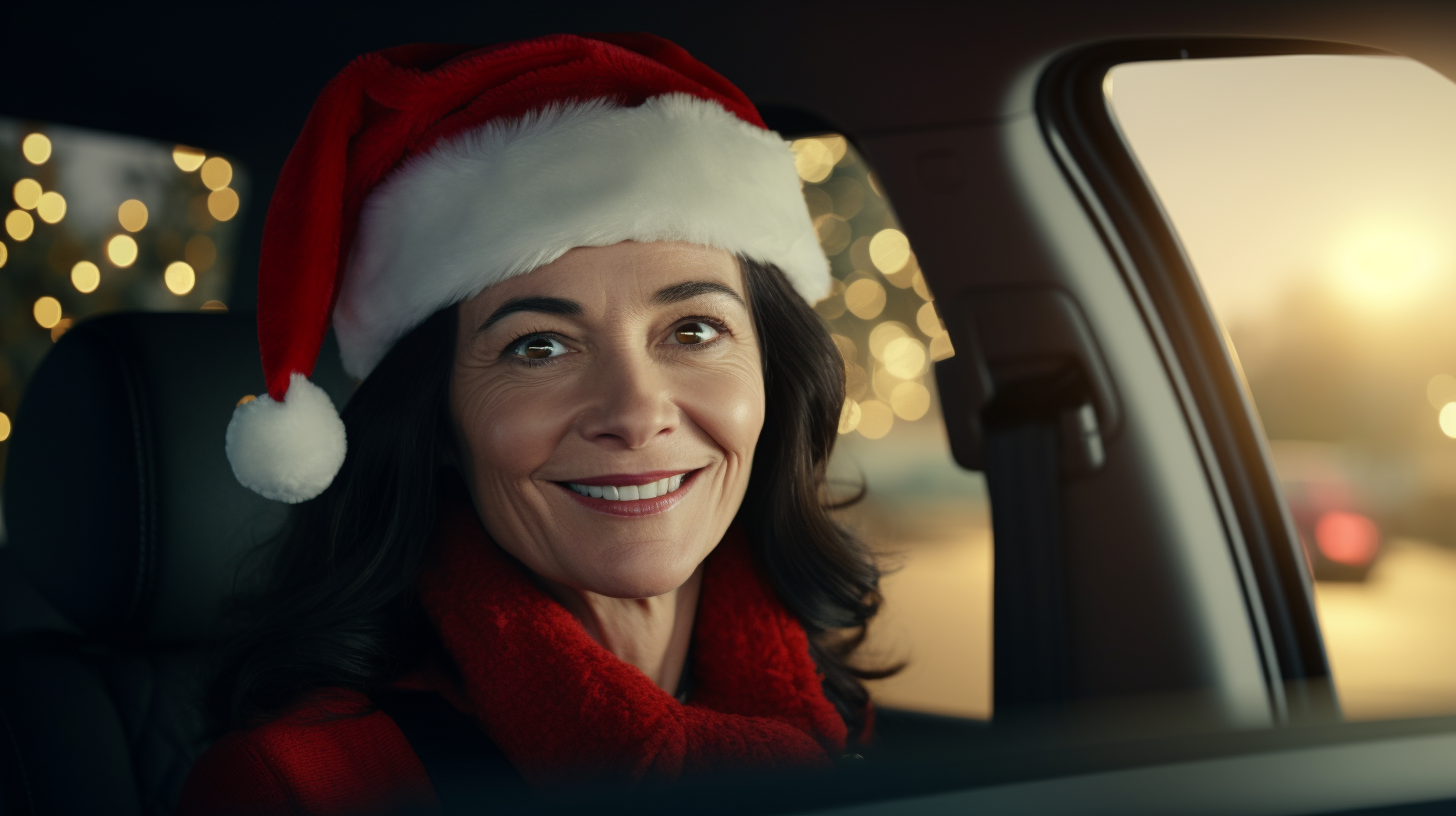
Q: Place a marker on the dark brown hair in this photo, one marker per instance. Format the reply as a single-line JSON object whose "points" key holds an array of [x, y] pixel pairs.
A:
{"points": [[339, 607]]}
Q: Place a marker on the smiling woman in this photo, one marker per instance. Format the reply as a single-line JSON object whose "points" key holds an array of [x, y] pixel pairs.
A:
{"points": [[580, 492]]}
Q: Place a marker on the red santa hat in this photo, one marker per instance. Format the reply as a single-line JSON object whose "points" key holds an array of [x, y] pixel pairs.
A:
{"points": [[426, 173]]}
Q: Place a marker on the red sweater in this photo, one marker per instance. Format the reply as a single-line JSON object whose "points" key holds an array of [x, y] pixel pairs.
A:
{"points": [[559, 706]]}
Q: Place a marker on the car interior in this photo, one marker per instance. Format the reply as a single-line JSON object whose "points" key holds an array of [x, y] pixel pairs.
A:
{"points": [[1112, 595]]}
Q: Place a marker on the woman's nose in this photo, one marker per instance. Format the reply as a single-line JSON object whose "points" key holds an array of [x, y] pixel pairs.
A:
{"points": [[629, 403]]}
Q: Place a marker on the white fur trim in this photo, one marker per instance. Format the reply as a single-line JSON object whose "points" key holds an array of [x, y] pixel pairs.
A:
{"points": [[287, 451], [510, 197]]}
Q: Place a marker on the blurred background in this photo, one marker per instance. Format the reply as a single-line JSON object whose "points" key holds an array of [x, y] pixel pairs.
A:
{"points": [[1316, 199]]}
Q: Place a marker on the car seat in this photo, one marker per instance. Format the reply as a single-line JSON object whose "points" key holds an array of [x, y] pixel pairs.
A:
{"points": [[125, 533]]}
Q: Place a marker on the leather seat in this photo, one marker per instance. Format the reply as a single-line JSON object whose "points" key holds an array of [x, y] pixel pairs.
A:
{"points": [[125, 536]]}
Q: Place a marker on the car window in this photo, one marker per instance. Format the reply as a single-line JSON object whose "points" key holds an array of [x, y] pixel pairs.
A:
{"points": [[1314, 196], [927, 517], [98, 222]]}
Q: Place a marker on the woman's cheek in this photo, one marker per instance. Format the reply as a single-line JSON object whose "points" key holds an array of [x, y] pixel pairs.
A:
{"points": [[511, 430], [728, 404]]}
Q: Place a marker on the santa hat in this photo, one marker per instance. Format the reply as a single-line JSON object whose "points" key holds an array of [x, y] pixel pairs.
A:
{"points": [[426, 173]]}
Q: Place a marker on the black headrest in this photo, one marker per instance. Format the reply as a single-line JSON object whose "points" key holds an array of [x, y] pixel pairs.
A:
{"points": [[120, 506]]}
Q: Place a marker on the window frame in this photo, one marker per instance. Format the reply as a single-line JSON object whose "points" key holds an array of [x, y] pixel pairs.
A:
{"points": [[1083, 136]]}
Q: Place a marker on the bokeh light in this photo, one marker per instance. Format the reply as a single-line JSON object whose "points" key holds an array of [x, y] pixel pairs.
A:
{"points": [[47, 311], [875, 419], [813, 159], [920, 288], [928, 320], [62, 326], [36, 148], [179, 277], [834, 233], [214, 306], [132, 214], [187, 158], [889, 250], [223, 204], [865, 299], [85, 276], [4, 427], [849, 416], [1441, 390], [883, 333], [910, 400], [19, 225], [51, 207], [217, 173], [941, 348], [1448, 419], [4, 254], [27, 193], [847, 349], [121, 250], [905, 358]]}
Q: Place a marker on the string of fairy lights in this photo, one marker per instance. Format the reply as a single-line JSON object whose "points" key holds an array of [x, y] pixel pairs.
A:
{"points": [[163, 238], [880, 310]]}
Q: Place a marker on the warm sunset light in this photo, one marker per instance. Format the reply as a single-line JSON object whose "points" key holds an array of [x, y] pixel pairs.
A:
{"points": [[1383, 269]]}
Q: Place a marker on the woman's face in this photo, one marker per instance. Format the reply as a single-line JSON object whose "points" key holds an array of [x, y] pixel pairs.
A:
{"points": [[613, 372]]}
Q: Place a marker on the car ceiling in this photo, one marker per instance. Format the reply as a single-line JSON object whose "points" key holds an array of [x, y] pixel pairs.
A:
{"points": [[239, 78]]}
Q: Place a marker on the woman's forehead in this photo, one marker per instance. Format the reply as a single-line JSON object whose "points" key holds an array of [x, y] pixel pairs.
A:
{"points": [[622, 275]]}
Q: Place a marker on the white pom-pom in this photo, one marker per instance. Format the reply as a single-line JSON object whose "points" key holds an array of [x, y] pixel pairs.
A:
{"points": [[287, 451]]}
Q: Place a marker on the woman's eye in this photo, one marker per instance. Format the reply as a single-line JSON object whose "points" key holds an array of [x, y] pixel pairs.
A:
{"points": [[538, 347], [694, 333]]}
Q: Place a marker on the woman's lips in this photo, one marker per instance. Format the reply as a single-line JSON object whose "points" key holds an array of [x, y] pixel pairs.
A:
{"points": [[678, 482]]}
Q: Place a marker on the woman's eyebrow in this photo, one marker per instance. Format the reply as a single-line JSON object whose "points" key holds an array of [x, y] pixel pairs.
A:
{"points": [[545, 305], [691, 289]]}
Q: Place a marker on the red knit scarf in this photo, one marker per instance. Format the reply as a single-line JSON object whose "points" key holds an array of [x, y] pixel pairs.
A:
{"points": [[560, 706]]}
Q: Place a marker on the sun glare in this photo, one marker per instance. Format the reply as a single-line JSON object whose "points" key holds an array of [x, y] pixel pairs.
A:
{"points": [[1387, 269]]}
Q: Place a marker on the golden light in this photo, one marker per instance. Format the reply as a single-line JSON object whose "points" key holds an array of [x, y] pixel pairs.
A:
{"points": [[883, 383], [5, 427], [875, 419], [889, 250], [920, 288], [940, 347], [223, 204], [19, 224], [1448, 420], [905, 358], [849, 416], [4, 254], [856, 381], [214, 306], [47, 312], [122, 250], [27, 193], [85, 276], [51, 207], [201, 252], [847, 195], [905, 277], [62, 326], [865, 299], [911, 401], [187, 158], [1441, 390], [36, 148], [838, 146], [882, 334], [217, 173], [928, 320], [132, 214], [179, 277], [834, 233], [847, 349], [1381, 270], [813, 159], [818, 202]]}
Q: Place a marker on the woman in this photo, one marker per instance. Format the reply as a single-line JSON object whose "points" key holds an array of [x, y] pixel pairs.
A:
{"points": [[583, 495]]}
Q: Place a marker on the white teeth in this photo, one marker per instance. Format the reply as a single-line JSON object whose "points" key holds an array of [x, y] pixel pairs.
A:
{"points": [[651, 490]]}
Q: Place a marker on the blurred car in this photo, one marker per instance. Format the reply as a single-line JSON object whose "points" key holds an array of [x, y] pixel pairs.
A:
{"points": [[1336, 526]]}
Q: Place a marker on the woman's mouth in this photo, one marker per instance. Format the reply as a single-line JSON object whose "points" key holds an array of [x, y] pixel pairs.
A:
{"points": [[632, 495]]}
